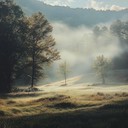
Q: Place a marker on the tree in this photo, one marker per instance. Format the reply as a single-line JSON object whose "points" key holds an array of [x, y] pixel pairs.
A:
{"points": [[64, 70], [26, 45], [101, 66], [41, 46], [12, 43], [120, 30]]}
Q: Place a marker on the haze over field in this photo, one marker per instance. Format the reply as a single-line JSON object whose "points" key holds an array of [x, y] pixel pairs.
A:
{"points": [[81, 45], [82, 34], [75, 30]]}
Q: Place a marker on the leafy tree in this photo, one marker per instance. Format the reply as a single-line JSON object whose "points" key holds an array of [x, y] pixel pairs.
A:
{"points": [[101, 66], [120, 29], [26, 45], [98, 30], [12, 43], [41, 46]]}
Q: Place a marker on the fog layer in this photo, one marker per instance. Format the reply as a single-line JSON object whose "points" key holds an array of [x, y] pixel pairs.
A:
{"points": [[80, 46]]}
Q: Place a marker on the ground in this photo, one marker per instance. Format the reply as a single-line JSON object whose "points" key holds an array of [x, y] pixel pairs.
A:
{"points": [[75, 105]]}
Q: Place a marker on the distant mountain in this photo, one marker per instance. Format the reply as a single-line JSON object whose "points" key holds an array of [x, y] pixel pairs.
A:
{"points": [[71, 16]]}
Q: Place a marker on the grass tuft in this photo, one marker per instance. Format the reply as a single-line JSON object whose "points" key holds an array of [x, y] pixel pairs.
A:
{"points": [[64, 105], [11, 102], [2, 113], [55, 98]]}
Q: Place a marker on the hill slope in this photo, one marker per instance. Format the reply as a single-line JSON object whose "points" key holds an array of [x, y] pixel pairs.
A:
{"points": [[73, 17]]}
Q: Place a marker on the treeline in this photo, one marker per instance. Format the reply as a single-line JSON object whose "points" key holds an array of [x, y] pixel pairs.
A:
{"points": [[26, 45], [118, 29]]}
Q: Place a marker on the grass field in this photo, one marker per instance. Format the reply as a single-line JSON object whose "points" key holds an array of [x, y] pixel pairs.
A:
{"points": [[75, 105]]}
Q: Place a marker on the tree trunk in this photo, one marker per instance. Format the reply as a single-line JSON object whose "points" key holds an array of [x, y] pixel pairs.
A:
{"points": [[65, 73], [33, 68], [5, 86], [65, 78], [103, 79], [6, 81]]}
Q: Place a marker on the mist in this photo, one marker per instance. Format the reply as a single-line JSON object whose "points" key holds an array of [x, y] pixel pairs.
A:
{"points": [[80, 46]]}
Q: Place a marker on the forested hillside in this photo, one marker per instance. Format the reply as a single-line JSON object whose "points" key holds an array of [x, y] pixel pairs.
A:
{"points": [[70, 16]]}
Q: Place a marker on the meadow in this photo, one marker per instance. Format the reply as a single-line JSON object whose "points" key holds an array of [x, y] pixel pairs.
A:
{"points": [[74, 105]]}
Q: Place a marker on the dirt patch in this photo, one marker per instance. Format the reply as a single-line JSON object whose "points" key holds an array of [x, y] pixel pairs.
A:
{"points": [[101, 96], [114, 106], [1, 102], [30, 89], [123, 94], [64, 105], [55, 98], [15, 111], [11, 102]]}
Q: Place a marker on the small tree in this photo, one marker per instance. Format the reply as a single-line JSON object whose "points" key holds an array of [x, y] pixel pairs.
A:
{"points": [[64, 70], [101, 66]]}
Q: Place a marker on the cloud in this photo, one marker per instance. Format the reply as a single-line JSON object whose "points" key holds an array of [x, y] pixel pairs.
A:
{"points": [[116, 8], [102, 6], [58, 2], [95, 4]]}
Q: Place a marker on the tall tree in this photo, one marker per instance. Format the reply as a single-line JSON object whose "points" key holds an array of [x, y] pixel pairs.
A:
{"points": [[26, 45], [41, 46], [12, 43]]}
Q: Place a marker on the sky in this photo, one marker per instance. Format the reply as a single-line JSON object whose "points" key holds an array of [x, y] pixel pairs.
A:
{"points": [[96, 4]]}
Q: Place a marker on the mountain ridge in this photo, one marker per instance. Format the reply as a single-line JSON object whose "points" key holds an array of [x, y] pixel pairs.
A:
{"points": [[71, 16]]}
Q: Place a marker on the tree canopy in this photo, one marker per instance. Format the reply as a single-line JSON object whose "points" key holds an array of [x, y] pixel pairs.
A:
{"points": [[101, 66], [41, 47], [26, 44], [12, 42]]}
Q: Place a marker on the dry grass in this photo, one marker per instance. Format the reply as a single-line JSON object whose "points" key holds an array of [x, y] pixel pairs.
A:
{"points": [[57, 103], [58, 99]]}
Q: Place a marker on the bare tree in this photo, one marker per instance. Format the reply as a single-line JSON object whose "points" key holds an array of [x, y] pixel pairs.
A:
{"points": [[64, 70]]}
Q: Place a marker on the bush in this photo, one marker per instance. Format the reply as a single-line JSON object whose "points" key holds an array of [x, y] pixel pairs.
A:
{"points": [[2, 113], [64, 105]]}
